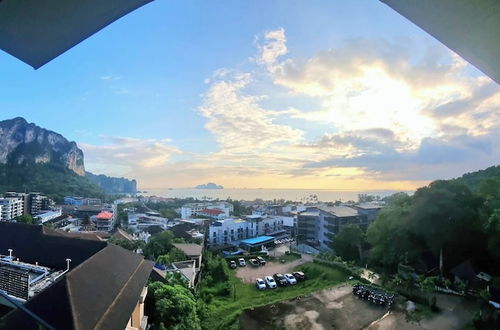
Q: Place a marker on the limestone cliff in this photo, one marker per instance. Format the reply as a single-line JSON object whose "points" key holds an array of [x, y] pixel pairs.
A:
{"points": [[23, 142]]}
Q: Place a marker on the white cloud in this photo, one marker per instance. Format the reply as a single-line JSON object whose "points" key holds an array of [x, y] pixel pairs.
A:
{"points": [[124, 155], [238, 122]]}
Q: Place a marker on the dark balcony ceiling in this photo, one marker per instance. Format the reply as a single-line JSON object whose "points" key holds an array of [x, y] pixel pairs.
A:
{"points": [[37, 31], [469, 28]]}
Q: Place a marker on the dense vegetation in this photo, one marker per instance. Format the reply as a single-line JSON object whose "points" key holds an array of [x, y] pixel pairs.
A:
{"points": [[52, 179]]}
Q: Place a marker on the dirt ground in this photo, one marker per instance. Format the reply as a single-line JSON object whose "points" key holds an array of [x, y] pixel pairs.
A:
{"points": [[249, 273], [338, 308]]}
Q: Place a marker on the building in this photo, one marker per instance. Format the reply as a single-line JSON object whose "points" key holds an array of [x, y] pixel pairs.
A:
{"points": [[142, 221], [103, 221], [317, 226], [256, 243], [12, 207], [80, 201], [194, 209], [233, 230], [23, 196], [70, 283], [192, 251], [48, 215]]}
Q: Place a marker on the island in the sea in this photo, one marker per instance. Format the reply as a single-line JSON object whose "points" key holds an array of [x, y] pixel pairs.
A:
{"points": [[209, 185]]}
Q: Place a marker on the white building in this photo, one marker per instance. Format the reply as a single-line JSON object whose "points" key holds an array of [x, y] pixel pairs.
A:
{"points": [[233, 230], [12, 207], [141, 221], [49, 215], [195, 209]]}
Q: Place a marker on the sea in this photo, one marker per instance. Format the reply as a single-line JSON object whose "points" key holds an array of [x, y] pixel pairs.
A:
{"points": [[295, 195]]}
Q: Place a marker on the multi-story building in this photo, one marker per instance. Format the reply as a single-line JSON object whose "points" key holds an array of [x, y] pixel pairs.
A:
{"points": [[317, 226], [12, 207], [233, 230], [194, 209], [80, 201], [23, 196]]}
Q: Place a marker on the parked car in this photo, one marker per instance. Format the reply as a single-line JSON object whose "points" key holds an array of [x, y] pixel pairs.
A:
{"points": [[233, 264], [290, 279], [261, 285], [280, 279], [254, 262], [270, 282], [261, 261], [242, 262], [299, 276]]}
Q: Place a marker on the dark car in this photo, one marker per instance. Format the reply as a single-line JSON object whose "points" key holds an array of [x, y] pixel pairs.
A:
{"points": [[254, 262], [280, 279], [300, 276], [261, 261]]}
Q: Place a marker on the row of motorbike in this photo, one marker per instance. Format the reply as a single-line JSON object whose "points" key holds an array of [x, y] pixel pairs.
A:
{"points": [[373, 296]]}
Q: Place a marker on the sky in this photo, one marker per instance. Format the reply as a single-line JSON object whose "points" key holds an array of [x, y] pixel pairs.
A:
{"points": [[344, 95]]}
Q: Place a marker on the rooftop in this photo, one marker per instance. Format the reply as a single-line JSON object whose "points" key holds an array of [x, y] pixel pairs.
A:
{"points": [[340, 211], [100, 291], [257, 240], [189, 249]]}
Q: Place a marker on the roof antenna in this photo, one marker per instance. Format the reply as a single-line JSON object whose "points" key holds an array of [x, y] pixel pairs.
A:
{"points": [[67, 263], [10, 253]]}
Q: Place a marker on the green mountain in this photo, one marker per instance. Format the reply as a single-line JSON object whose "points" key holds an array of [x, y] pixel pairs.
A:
{"points": [[474, 179], [36, 159]]}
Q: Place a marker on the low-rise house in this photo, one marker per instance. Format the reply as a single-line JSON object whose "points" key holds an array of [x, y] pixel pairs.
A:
{"points": [[192, 251], [193, 209]]}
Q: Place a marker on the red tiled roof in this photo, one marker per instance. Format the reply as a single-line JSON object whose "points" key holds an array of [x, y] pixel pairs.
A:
{"points": [[212, 211], [105, 215]]}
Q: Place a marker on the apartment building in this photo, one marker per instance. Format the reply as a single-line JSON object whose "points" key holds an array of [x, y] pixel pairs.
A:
{"points": [[233, 230], [12, 207], [317, 226]]}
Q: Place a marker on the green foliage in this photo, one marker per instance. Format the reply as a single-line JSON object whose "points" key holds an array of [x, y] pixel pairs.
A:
{"points": [[51, 179], [26, 218], [159, 244], [175, 307], [444, 216], [172, 256], [349, 242]]}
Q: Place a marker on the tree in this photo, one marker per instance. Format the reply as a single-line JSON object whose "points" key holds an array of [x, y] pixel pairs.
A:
{"points": [[174, 307], [172, 256], [159, 244], [388, 234], [348, 243], [26, 218], [445, 219]]}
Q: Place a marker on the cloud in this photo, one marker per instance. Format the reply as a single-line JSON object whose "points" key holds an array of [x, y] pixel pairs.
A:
{"points": [[124, 155], [434, 158], [272, 48], [236, 119]]}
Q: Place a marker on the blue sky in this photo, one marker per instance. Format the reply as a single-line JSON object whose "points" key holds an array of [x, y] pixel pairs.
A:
{"points": [[156, 96]]}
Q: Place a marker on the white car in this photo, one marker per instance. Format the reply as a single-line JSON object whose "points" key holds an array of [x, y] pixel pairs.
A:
{"points": [[290, 279], [270, 282], [242, 262], [261, 285]]}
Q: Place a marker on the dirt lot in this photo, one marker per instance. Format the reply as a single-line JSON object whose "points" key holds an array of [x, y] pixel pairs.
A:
{"points": [[338, 308], [249, 273], [335, 308]]}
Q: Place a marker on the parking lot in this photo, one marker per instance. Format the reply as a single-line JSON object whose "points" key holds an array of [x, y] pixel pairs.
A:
{"points": [[249, 273]]}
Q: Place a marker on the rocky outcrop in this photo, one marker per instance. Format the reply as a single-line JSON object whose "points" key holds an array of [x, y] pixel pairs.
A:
{"points": [[113, 185], [23, 142]]}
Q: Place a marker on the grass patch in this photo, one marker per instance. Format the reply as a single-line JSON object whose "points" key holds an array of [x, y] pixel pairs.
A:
{"points": [[224, 311]]}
